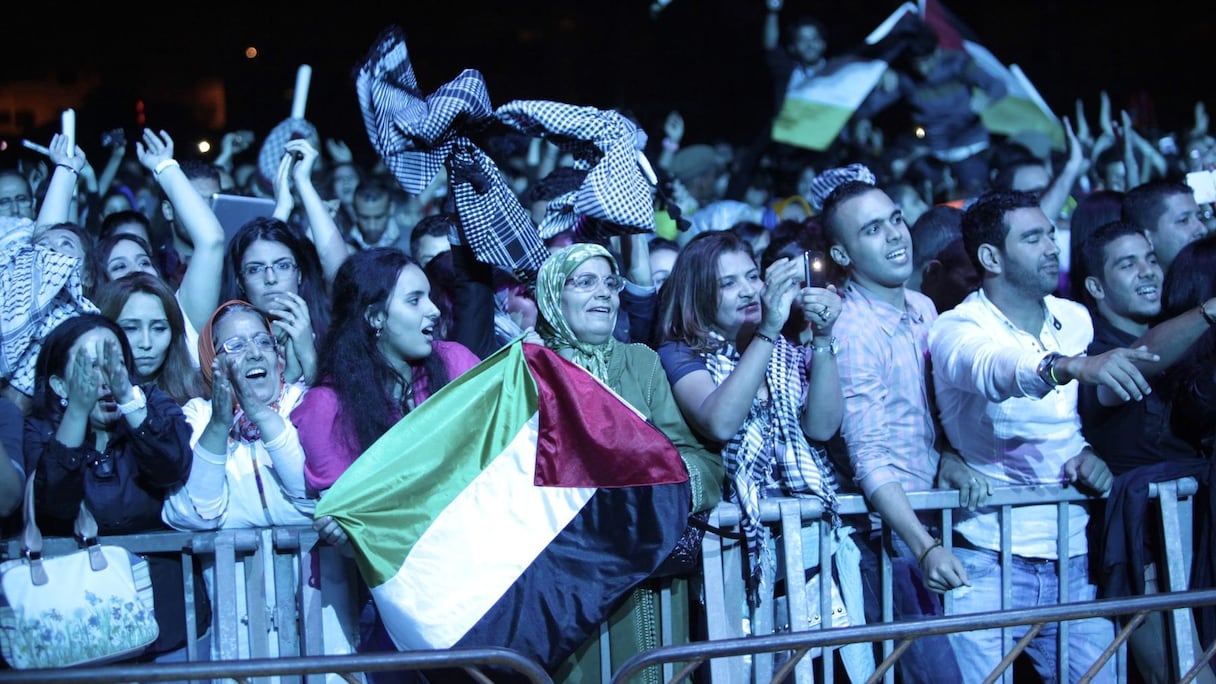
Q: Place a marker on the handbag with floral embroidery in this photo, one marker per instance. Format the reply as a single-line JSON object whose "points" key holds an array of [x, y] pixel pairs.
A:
{"points": [[90, 606]]}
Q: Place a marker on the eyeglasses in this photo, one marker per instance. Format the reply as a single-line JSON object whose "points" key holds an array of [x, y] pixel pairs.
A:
{"points": [[239, 345], [22, 202], [282, 267], [588, 282]]}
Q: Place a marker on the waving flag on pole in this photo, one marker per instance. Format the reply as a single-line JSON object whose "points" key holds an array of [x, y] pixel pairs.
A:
{"points": [[816, 109], [516, 507], [1022, 108]]}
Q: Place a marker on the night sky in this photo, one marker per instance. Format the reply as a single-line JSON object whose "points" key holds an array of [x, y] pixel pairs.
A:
{"points": [[701, 57]]}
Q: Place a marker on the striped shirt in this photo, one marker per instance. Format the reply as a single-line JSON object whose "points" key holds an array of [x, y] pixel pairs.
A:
{"points": [[888, 423]]}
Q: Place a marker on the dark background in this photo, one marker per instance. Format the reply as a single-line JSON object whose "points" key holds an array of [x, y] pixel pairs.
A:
{"points": [[702, 57]]}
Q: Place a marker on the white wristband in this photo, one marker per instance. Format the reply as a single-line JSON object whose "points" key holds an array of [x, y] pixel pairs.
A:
{"points": [[164, 164], [138, 401]]}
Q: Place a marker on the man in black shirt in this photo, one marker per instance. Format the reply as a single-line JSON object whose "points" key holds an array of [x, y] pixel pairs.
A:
{"points": [[1134, 438]]}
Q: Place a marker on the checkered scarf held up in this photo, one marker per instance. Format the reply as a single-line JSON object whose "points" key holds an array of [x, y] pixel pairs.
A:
{"points": [[771, 438]]}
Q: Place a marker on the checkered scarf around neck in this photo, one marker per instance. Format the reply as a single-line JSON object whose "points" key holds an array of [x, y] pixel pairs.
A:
{"points": [[552, 325], [242, 427], [800, 468], [418, 134]]}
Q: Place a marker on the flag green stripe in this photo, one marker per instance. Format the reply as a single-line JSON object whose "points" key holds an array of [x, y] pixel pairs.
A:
{"points": [[813, 125], [428, 458]]}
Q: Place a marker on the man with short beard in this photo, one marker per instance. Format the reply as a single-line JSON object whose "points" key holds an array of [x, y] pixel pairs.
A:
{"points": [[1004, 362]]}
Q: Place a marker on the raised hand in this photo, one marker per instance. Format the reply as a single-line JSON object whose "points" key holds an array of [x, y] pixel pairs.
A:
{"points": [[114, 370], [83, 381], [306, 158], [820, 307], [673, 127], [154, 148], [58, 154], [338, 151], [782, 283]]}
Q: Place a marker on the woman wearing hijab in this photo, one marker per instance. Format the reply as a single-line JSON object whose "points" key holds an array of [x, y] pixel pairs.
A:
{"points": [[578, 294], [248, 468]]}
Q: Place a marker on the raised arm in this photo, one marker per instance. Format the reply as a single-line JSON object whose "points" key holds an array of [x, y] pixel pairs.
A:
{"points": [[65, 173], [199, 292], [1056, 194], [772, 24], [323, 231]]}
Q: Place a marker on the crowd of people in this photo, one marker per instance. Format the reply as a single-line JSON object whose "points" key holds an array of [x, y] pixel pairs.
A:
{"points": [[995, 311]]}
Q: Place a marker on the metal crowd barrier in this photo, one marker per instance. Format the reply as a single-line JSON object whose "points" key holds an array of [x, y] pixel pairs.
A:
{"points": [[268, 622], [732, 624]]}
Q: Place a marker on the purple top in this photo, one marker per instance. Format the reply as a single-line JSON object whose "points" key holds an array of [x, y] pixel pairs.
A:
{"points": [[328, 449]]}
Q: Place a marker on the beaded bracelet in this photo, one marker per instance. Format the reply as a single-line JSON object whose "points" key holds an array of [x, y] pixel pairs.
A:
{"points": [[68, 167], [764, 337]]}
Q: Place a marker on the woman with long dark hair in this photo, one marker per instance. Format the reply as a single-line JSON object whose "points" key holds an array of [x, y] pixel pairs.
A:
{"points": [[145, 309], [379, 361], [95, 437], [274, 267]]}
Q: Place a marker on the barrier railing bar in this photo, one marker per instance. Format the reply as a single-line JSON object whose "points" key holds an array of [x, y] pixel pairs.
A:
{"points": [[1002, 668], [912, 629], [469, 659]]}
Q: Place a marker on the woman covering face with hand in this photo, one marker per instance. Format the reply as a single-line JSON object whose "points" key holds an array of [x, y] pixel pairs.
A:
{"points": [[93, 436]]}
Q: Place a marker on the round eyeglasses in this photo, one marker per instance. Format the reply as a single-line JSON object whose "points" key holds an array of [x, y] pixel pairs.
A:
{"points": [[588, 282]]}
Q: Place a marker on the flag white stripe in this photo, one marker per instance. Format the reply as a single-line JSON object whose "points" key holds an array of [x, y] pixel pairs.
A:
{"points": [[501, 522]]}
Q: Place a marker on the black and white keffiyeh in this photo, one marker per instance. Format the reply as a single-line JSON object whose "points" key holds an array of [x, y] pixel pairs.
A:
{"points": [[40, 289], [416, 135], [771, 439]]}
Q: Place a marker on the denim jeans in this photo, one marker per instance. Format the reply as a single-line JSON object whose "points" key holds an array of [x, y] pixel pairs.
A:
{"points": [[1035, 583], [929, 658]]}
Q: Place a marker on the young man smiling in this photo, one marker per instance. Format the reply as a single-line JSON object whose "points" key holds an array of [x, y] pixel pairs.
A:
{"points": [[889, 429], [1124, 280]]}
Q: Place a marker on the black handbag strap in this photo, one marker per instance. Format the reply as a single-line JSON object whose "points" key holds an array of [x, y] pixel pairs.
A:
{"points": [[31, 537]]}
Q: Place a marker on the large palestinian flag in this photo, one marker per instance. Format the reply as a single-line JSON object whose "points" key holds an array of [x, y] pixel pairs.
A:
{"points": [[513, 508], [816, 109]]}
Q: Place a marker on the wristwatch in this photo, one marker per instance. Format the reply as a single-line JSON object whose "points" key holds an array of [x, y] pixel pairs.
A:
{"points": [[138, 401], [1045, 369], [832, 346]]}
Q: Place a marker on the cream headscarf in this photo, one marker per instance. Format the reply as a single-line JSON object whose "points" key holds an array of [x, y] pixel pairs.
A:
{"points": [[552, 325]]}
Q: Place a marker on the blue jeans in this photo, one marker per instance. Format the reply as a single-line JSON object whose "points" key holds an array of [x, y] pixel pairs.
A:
{"points": [[929, 658], [1035, 584]]}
